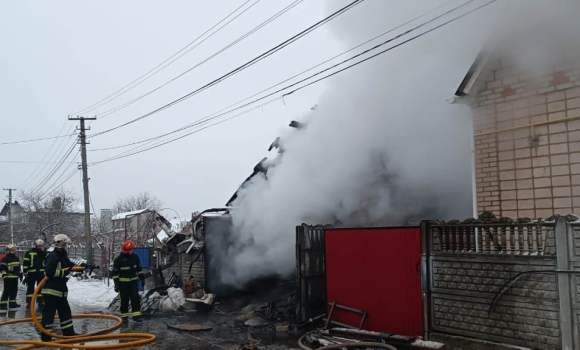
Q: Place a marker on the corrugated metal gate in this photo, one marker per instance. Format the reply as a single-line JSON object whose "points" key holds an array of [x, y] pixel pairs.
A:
{"points": [[377, 270]]}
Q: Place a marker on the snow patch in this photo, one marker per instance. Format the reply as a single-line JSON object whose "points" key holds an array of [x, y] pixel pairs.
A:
{"points": [[91, 293]]}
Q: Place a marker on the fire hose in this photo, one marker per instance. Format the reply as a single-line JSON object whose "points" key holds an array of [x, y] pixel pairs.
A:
{"points": [[74, 342]]}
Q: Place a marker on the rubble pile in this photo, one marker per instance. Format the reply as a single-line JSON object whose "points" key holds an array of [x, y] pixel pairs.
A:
{"points": [[346, 337], [156, 300]]}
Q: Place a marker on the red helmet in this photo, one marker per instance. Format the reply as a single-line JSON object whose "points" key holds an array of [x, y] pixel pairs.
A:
{"points": [[128, 245]]}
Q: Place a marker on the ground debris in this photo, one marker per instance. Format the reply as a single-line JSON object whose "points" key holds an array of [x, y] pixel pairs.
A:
{"points": [[191, 327]]}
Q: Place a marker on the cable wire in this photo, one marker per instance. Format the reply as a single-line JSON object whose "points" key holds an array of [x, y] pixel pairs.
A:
{"points": [[53, 157], [54, 170], [33, 140], [286, 80], [232, 44], [125, 89], [240, 68], [127, 153]]}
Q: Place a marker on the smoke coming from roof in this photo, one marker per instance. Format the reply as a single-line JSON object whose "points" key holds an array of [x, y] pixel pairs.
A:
{"points": [[382, 146]]}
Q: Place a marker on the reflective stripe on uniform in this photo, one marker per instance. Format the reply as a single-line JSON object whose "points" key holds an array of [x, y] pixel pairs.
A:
{"points": [[66, 324], [125, 315], [121, 279], [11, 276], [115, 277], [3, 302], [125, 268], [136, 313], [56, 293]]}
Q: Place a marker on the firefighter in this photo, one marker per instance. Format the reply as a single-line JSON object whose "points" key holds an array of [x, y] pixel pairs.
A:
{"points": [[126, 272], [33, 266], [55, 290], [10, 271]]}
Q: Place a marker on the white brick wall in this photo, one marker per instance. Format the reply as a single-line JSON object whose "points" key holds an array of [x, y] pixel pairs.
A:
{"points": [[516, 177]]}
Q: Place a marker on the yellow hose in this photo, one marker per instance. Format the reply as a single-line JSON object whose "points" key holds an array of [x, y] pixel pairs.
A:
{"points": [[72, 342]]}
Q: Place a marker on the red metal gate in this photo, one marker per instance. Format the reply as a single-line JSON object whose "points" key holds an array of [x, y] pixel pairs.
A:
{"points": [[377, 270]]}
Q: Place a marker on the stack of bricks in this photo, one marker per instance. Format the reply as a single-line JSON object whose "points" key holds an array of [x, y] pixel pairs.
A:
{"points": [[532, 171]]}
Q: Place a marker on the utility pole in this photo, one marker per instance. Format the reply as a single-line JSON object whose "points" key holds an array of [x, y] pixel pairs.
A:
{"points": [[10, 213], [83, 142]]}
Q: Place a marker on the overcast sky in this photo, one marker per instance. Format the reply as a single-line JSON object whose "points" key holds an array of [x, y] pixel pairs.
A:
{"points": [[59, 57]]}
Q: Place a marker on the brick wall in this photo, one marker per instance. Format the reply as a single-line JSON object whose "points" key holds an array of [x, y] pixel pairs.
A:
{"points": [[531, 171], [197, 270], [463, 290]]}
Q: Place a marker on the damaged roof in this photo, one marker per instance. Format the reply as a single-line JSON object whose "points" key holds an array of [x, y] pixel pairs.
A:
{"points": [[129, 213]]}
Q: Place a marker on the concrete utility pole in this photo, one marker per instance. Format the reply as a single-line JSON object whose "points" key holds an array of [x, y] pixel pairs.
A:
{"points": [[10, 213], [83, 142]]}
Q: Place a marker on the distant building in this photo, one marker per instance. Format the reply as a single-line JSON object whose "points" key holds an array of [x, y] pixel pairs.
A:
{"points": [[139, 225]]}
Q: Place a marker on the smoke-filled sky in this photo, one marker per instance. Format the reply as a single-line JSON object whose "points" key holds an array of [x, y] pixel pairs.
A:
{"points": [[382, 147]]}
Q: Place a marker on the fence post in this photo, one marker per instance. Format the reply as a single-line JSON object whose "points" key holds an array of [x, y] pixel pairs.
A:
{"points": [[564, 286], [425, 282]]}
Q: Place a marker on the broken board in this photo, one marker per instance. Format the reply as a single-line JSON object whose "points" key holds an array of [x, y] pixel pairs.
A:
{"points": [[190, 327]]}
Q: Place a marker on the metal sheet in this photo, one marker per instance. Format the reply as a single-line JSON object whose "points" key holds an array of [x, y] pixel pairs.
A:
{"points": [[143, 254], [377, 270]]}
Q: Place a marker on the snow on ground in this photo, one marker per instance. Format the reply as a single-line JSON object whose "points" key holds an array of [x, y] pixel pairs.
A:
{"points": [[90, 293]]}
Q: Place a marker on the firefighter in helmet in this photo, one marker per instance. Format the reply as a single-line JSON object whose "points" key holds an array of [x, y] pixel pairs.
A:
{"points": [[33, 266], [55, 290], [10, 271], [126, 273]]}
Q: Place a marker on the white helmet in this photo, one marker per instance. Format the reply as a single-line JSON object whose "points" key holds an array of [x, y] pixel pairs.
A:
{"points": [[60, 239], [39, 242], [10, 246]]}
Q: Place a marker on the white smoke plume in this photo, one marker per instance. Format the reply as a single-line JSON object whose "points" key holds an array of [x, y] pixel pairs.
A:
{"points": [[382, 146]]}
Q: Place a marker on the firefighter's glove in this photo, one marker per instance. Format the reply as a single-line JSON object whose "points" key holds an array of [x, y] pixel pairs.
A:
{"points": [[116, 288]]}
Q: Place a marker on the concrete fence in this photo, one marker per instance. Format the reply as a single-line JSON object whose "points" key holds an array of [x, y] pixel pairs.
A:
{"points": [[501, 280]]}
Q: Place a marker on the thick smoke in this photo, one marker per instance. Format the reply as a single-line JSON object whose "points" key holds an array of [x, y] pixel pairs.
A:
{"points": [[381, 148]]}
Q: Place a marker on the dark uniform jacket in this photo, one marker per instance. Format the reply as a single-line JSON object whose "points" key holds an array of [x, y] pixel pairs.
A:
{"points": [[34, 260], [10, 266], [127, 268], [55, 263]]}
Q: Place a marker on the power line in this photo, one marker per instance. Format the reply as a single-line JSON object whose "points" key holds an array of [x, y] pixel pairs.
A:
{"points": [[33, 140], [208, 118], [53, 156], [242, 67], [126, 154], [232, 44], [44, 157], [54, 170], [126, 88], [55, 188], [26, 162]]}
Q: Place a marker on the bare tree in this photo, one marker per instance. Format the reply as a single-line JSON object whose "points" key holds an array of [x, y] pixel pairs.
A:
{"points": [[143, 200], [49, 215]]}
